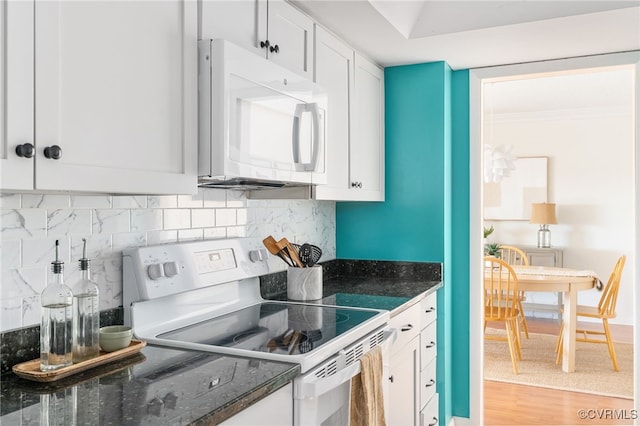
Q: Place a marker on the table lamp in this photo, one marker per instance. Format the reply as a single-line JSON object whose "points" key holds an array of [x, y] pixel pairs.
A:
{"points": [[543, 214]]}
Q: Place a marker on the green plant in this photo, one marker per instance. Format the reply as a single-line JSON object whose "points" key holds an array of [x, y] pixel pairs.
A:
{"points": [[492, 250], [488, 231]]}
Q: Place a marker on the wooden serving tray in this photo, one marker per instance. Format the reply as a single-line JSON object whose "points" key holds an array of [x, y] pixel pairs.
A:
{"points": [[30, 370]]}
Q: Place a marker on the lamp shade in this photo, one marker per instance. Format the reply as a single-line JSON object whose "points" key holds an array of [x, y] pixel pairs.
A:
{"points": [[543, 213]]}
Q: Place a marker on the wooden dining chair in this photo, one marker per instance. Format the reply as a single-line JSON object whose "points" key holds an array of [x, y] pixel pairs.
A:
{"points": [[501, 303], [605, 310], [515, 256]]}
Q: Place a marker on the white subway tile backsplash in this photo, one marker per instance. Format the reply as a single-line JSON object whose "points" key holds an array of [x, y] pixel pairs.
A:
{"points": [[42, 251], [40, 201], [31, 222], [129, 202], [90, 201], [177, 219], [203, 218], [226, 217], [162, 201], [190, 201], [23, 223], [111, 221], [68, 222], [190, 235], [10, 201], [215, 233], [161, 237], [146, 219]]}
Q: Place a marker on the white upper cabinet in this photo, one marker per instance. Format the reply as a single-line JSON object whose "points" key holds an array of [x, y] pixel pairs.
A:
{"points": [[355, 122], [334, 71], [16, 95], [271, 28], [367, 145], [115, 97], [290, 36]]}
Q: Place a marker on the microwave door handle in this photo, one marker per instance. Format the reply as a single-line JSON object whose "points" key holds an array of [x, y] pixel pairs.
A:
{"points": [[313, 108], [295, 139]]}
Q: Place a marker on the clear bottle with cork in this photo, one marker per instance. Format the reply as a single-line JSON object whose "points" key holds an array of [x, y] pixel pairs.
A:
{"points": [[86, 313], [55, 328]]}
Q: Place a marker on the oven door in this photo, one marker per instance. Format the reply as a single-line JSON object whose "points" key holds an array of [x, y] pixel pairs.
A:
{"points": [[322, 396]]}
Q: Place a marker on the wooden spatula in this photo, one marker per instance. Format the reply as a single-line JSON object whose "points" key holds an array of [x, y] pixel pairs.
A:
{"points": [[293, 254], [272, 245]]}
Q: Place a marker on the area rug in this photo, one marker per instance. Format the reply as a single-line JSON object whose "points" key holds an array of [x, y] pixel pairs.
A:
{"points": [[594, 372]]}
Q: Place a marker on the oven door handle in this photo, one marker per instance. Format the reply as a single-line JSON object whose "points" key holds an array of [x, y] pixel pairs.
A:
{"points": [[319, 386]]}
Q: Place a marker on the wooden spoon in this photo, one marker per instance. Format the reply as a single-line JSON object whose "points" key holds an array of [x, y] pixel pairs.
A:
{"points": [[293, 254], [272, 245]]}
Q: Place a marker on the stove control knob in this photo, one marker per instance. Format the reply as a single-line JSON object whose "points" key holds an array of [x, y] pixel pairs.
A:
{"points": [[155, 271], [171, 269], [258, 255]]}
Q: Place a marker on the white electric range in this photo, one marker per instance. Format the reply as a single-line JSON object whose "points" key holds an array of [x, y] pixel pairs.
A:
{"points": [[206, 296]]}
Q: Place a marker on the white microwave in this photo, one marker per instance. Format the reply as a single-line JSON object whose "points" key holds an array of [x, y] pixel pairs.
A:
{"points": [[260, 125]]}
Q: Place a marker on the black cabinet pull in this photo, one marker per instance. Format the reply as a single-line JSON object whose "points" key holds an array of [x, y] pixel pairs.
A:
{"points": [[53, 152], [356, 184], [391, 379], [435, 422], [275, 49], [430, 345], [265, 44], [431, 383], [407, 327], [25, 150], [431, 309]]}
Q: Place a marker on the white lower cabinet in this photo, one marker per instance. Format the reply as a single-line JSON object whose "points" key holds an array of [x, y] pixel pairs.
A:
{"points": [[403, 385], [428, 364], [274, 410], [429, 414], [412, 397]]}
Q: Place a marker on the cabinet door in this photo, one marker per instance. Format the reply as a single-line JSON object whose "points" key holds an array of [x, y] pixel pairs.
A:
{"points": [[16, 93], [116, 90], [292, 32], [233, 20], [334, 72], [367, 144], [403, 391]]}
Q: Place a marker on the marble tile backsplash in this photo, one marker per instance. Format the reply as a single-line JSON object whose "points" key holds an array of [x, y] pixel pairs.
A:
{"points": [[30, 223]]}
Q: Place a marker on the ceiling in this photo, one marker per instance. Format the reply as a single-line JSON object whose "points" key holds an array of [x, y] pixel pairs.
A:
{"points": [[479, 33]]}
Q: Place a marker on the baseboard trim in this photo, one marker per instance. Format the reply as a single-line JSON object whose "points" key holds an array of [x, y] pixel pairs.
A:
{"points": [[459, 421]]}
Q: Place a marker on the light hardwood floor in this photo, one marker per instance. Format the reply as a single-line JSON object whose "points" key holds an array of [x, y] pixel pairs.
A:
{"points": [[510, 404]]}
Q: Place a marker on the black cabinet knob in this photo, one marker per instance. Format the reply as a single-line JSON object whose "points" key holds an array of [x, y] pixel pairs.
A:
{"points": [[275, 49], [53, 152], [25, 150], [356, 184], [391, 379], [265, 44]]}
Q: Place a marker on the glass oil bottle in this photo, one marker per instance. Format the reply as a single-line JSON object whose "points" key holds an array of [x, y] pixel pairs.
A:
{"points": [[86, 313], [55, 328]]}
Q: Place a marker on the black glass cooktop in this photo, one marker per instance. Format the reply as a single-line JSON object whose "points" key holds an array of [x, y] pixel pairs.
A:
{"points": [[275, 327]]}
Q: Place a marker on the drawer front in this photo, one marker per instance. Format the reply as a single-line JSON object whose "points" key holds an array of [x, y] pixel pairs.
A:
{"points": [[427, 382], [428, 309], [429, 416], [407, 324], [428, 348]]}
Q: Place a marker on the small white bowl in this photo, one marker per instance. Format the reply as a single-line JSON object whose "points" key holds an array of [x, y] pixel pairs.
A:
{"points": [[115, 337]]}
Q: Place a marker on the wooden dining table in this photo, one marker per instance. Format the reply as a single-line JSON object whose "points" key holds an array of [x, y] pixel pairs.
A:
{"points": [[569, 282]]}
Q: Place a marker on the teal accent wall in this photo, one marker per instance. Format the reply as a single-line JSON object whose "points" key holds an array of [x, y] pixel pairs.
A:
{"points": [[425, 216]]}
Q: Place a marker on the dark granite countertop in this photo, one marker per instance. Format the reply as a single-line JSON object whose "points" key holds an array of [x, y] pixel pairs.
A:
{"points": [[178, 387], [390, 285], [156, 386]]}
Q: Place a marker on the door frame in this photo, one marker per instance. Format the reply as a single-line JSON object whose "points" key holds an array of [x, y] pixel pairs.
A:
{"points": [[476, 79]]}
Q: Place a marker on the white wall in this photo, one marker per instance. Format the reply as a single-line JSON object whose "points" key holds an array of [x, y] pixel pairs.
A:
{"points": [[590, 178], [31, 222]]}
